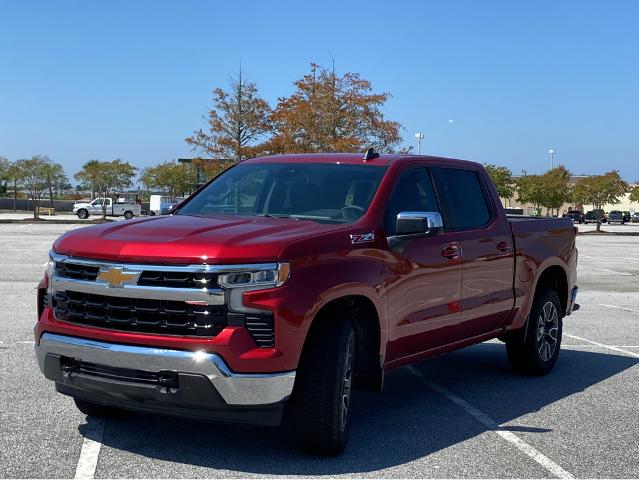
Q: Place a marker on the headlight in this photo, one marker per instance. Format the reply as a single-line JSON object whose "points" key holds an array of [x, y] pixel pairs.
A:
{"points": [[236, 283], [256, 278], [50, 270]]}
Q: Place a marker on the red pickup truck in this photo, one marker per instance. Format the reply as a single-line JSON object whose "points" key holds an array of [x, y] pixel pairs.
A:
{"points": [[290, 280]]}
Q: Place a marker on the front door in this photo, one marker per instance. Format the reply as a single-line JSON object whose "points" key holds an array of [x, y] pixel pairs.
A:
{"points": [[423, 293]]}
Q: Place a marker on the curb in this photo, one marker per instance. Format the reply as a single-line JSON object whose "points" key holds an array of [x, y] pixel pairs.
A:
{"points": [[603, 234], [55, 222]]}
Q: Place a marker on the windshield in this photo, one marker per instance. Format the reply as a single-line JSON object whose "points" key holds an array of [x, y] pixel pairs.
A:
{"points": [[324, 192]]}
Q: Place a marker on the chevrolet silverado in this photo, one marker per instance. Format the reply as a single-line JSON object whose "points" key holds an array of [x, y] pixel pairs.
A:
{"points": [[289, 281]]}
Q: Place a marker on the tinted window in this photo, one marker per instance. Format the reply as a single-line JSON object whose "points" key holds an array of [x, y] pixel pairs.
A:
{"points": [[324, 192], [413, 193], [463, 196]]}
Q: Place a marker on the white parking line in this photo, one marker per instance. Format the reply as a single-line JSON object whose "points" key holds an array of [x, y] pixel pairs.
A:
{"points": [[603, 345], [618, 308], [599, 269], [91, 445], [491, 424]]}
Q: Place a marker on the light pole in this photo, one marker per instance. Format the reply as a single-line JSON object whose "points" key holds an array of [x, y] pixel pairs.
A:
{"points": [[419, 136], [551, 152]]}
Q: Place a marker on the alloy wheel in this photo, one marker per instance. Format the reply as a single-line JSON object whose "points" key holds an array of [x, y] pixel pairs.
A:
{"points": [[547, 331]]}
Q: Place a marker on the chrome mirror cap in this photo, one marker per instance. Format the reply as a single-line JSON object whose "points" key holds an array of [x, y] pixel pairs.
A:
{"points": [[416, 223]]}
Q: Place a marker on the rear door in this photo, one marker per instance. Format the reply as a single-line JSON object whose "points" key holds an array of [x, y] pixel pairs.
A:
{"points": [[487, 269], [423, 290]]}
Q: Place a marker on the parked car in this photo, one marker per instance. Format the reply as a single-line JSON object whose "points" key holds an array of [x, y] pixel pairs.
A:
{"points": [[634, 218], [616, 216], [626, 216], [591, 216], [121, 207], [291, 280], [575, 215]]}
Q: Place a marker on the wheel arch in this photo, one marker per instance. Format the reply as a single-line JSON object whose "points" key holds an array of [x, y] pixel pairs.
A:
{"points": [[361, 311], [555, 278]]}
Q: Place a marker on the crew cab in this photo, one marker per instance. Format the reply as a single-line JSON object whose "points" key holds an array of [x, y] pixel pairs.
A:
{"points": [[119, 208], [288, 281]]}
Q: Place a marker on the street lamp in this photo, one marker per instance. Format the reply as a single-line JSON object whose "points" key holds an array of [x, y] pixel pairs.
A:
{"points": [[551, 152], [419, 136]]}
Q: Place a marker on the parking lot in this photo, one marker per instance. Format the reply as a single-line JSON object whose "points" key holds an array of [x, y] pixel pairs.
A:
{"points": [[463, 414]]}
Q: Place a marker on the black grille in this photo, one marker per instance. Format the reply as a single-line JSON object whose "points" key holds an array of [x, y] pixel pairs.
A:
{"points": [[151, 278], [262, 329], [139, 315], [163, 378], [76, 271]]}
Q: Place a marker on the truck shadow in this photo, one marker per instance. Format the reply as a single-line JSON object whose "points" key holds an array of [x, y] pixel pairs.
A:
{"points": [[408, 421]]}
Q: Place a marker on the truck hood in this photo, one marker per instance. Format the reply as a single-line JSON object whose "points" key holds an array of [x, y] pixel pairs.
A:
{"points": [[186, 239]]}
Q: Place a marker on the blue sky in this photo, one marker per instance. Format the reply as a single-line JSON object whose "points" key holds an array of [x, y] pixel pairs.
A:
{"points": [[131, 79]]}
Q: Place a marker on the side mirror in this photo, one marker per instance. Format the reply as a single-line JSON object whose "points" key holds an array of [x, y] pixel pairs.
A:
{"points": [[419, 224]]}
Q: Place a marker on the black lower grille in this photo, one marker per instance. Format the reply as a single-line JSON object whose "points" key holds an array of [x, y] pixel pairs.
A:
{"points": [[139, 315], [262, 329], [166, 378]]}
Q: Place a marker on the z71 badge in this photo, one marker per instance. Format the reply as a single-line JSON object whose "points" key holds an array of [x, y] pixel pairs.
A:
{"points": [[362, 237]]}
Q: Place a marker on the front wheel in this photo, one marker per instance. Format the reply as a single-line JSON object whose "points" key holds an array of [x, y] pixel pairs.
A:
{"points": [[83, 214], [537, 352], [322, 398]]}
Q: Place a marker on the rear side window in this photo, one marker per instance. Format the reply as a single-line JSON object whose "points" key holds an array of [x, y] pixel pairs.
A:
{"points": [[463, 198]]}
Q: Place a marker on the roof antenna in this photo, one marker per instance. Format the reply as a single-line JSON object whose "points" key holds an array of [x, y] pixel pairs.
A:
{"points": [[370, 154]]}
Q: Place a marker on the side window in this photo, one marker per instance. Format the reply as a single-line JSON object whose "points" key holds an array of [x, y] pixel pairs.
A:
{"points": [[463, 198], [413, 193]]}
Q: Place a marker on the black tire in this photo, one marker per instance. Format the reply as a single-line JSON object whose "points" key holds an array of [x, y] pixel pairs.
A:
{"points": [[83, 214], [128, 215], [95, 409], [322, 397], [535, 351]]}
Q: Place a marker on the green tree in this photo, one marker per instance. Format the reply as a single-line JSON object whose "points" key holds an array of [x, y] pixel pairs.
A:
{"points": [[634, 194], [502, 177], [55, 176], [530, 189], [4, 180], [14, 175], [329, 112], [599, 191], [172, 178], [112, 177], [89, 174], [557, 190], [237, 123], [34, 174]]}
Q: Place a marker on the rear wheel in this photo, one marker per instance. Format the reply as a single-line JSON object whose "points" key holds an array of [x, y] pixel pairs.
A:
{"points": [[323, 393], [128, 215], [95, 409], [535, 351]]}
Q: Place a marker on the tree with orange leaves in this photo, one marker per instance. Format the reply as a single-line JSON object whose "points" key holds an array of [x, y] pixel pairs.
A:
{"points": [[238, 122], [332, 113]]}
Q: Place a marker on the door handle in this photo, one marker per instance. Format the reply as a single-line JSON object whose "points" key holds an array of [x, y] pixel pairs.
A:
{"points": [[504, 247], [451, 252]]}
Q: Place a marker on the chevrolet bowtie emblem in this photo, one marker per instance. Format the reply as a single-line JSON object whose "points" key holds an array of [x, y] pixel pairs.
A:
{"points": [[116, 277]]}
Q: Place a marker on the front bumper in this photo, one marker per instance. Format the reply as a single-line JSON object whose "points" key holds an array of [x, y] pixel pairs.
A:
{"points": [[200, 383]]}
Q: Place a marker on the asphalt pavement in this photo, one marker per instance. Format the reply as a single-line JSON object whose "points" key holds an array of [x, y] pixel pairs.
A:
{"points": [[464, 414]]}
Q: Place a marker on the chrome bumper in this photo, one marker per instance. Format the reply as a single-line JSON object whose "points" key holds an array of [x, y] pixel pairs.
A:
{"points": [[237, 389]]}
